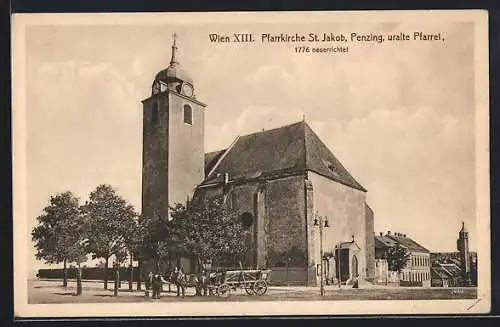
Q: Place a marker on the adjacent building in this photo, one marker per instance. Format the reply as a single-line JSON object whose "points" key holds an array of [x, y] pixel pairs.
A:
{"points": [[446, 275], [455, 268], [417, 271]]}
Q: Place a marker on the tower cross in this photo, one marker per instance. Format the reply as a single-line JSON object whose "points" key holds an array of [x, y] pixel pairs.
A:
{"points": [[173, 60]]}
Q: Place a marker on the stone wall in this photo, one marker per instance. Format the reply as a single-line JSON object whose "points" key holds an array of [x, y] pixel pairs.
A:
{"points": [[154, 157], [278, 234], [286, 222], [173, 152]]}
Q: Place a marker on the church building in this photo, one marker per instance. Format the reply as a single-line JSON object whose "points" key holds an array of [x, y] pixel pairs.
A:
{"points": [[280, 181]]}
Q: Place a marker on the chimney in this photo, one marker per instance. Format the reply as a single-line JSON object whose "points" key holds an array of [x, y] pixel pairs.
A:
{"points": [[404, 235], [388, 232], [381, 234]]}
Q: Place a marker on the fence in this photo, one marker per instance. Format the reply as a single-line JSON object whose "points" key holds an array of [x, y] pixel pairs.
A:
{"points": [[279, 275]]}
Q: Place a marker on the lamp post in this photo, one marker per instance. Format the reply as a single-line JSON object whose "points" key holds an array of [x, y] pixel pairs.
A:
{"points": [[318, 221]]}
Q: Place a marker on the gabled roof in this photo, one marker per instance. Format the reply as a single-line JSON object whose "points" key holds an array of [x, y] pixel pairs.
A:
{"points": [[387, 240], [408, 243], [211, 159], [439, 272], [447, 270], [452, 269], [288, 149], [382, 242]]}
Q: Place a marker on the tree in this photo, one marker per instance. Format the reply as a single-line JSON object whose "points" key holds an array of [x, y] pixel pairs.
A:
{"points": [[397, 258], [159, 239], [208, 229], [59, 229], [111, 221]]}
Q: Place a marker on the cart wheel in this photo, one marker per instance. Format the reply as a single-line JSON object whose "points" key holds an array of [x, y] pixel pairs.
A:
{"points": [[223, 290], [249, 289], [260, 287]]}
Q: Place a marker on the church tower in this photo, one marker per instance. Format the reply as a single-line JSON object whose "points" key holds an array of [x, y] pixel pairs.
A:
{"points": [[173, 140], [463, 249]]}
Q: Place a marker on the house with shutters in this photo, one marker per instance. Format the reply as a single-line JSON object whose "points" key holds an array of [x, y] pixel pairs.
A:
{"points": [[417, 271]]}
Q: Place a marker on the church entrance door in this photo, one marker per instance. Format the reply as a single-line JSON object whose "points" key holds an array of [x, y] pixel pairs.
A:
{"points": [[343, 264]]}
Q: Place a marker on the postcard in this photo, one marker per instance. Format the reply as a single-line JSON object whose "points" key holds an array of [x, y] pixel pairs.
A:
{"points": [[251, 163]]}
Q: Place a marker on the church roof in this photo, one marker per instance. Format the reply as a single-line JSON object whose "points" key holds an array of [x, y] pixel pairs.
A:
{"points": [[211, 159], [288, 149]]}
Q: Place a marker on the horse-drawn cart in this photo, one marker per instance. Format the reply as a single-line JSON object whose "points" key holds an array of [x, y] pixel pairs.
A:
{"points": [[253, 281]]}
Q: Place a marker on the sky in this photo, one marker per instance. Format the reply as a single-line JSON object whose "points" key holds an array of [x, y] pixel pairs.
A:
{"points": [[399, 116]]}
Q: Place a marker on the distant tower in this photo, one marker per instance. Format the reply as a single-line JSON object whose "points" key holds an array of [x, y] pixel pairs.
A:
{"points": [[173, 140], [463, 249]]}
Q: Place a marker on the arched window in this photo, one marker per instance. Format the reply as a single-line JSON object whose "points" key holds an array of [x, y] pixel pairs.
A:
{"points": [[154, 113], [188, 114]]}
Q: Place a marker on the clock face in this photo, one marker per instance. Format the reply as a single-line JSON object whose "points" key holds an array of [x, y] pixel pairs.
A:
{"points": [[156, 88], [187, 90]]}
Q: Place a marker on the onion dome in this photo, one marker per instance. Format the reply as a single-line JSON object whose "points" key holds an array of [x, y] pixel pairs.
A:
{"points": [[174, 72]]}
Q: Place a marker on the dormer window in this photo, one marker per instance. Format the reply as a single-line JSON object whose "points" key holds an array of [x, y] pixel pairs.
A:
{"points": [[188, 114]]}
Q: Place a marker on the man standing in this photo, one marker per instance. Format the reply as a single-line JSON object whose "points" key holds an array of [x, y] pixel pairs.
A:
{"points": [[149, 283]]}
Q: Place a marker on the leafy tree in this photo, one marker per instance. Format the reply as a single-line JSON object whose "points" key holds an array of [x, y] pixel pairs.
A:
{"points": [[397, 257], [79, 252], [158, 240], [208, 229], [134, 243], [111, 221], [59, 229]]}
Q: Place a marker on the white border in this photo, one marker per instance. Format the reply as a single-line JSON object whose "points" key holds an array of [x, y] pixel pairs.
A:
{"points": [[22, 309]]}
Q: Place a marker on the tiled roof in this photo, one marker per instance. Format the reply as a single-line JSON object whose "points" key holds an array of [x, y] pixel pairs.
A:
{"points": [[408, 243], [211, 159], [452, 269], [288, 149], [449, 270], [439, 272], [383, 242]]}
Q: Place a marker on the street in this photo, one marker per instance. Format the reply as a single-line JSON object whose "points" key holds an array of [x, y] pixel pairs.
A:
{"points": [[51, 291]]}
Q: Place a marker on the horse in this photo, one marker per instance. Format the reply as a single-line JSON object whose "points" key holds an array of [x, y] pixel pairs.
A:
{"points": [[201, 281]]}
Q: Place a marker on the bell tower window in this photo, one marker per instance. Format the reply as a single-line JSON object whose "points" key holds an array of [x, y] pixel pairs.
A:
{"points": [[154, 113], [188, 114]]}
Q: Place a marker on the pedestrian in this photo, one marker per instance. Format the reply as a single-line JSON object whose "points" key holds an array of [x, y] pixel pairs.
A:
{"points": [[356, 282], [149, 284], [156, 286]]}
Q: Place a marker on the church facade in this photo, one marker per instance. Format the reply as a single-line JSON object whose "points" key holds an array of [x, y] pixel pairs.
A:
{"points": [[279, 182]]}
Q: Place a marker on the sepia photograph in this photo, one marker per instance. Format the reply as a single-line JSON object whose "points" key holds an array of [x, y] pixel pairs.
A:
{"points": [[271, 163]]}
